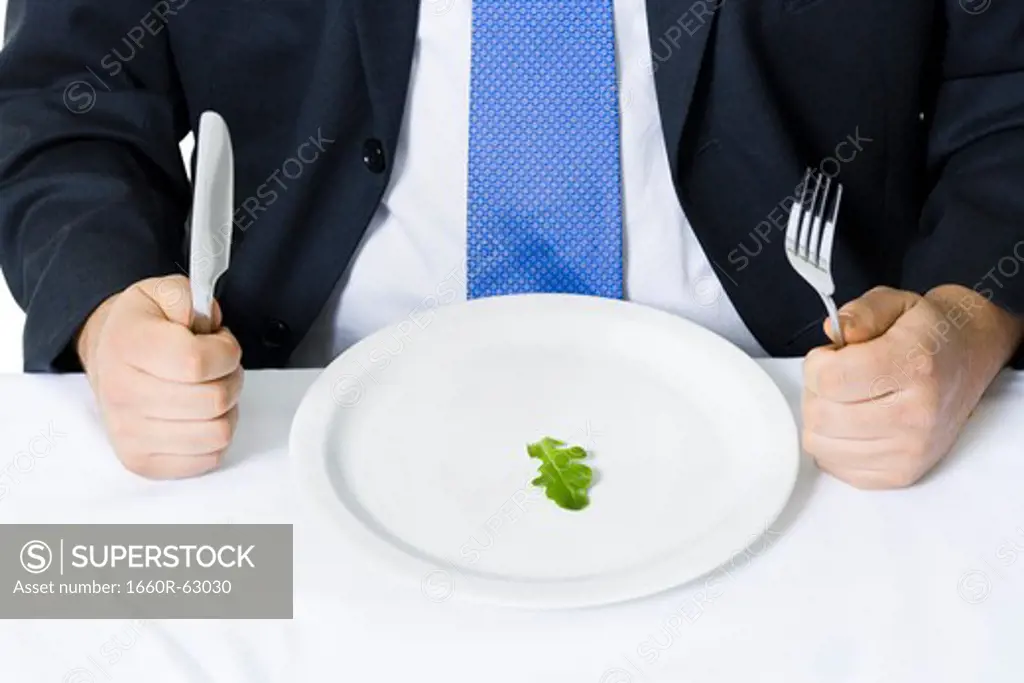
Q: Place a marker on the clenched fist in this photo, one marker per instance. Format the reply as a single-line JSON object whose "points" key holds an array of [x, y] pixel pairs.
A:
{"points": [[168, 397], [882, 411]]}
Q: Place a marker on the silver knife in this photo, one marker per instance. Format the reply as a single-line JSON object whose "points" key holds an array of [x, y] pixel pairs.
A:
{"points": [[213, 205]]}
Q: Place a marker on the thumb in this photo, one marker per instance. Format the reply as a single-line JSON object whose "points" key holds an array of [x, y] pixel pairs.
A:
{"points": [[872, 315], [173, 295]]}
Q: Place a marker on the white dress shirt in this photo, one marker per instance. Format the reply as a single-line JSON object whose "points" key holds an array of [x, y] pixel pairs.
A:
{"points": [[413, 256]]}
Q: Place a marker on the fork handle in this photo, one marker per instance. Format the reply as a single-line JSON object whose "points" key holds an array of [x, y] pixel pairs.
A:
{"points": [[833, 315]]}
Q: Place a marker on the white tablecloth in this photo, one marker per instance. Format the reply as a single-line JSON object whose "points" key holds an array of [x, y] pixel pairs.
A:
{"points": [[925, 584]]}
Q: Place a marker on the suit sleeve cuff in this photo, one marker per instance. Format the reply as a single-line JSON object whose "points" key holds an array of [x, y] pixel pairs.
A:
{"points": [[90, 266]]}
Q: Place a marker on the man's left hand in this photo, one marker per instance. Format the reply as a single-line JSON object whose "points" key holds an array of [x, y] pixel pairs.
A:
{"points": [[882, 411]]}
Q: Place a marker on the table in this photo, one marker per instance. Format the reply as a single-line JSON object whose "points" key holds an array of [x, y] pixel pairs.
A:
{"points": [[925, 584]]}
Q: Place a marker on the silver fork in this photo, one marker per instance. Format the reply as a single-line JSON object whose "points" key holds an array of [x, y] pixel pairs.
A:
{"points": [[809, 236]]}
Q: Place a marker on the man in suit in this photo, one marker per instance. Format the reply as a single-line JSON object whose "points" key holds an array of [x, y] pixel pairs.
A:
{"points": [[388, 152]]}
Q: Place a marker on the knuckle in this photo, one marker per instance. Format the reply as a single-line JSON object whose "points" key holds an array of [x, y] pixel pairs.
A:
{"points": [[138, 463], [220, 398], [915, 451], [812, 445], [903, 477], [194, 466], [916, 416], [115, 390], [235, 350], [859, 481], [858, 310], [886, 291], [831, 378], [194, 365], [813, 415], [836, 469], [807, 440], [814, 365], [168, 293], [924, 366], [205, 464], [219, 434], [933, 308], [119, 428], [814, 359], [923, 391]]}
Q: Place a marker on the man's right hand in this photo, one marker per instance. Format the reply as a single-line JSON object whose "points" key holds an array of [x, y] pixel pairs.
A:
{"points": [[168, 397]]}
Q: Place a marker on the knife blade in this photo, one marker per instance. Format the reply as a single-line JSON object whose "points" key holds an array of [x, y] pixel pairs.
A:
{"points": [[213, 204]]}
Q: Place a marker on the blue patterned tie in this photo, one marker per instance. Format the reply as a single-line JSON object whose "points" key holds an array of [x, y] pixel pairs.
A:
{"points": [[545, 197]]}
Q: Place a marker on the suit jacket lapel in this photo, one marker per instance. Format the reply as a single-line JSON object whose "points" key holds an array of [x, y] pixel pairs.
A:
{"points": [[679, 38], [387, 37]]}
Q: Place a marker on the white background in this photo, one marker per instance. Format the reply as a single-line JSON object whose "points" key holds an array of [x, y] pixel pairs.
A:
{"points": [[12, 320]]}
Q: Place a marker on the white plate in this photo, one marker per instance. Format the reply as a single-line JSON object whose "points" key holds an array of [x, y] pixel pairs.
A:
{"points": [[414, 441]]}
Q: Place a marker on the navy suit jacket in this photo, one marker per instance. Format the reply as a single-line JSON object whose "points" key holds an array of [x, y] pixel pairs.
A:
{"points": [[917, 105]]}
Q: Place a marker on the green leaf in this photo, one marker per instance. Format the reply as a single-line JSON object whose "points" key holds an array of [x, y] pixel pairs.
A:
{"points": [[565, 479]]}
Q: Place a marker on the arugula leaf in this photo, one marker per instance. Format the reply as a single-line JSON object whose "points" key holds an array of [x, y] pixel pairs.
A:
{"points": [[565, 478]]}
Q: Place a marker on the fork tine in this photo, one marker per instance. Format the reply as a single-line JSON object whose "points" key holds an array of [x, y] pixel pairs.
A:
{"points": [[795, 213], [816, 220], [825, 258], [805, 223]]}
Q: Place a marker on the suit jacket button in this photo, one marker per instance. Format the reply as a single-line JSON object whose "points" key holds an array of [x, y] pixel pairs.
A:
{"points": [[373, 155], [276, 334]]}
